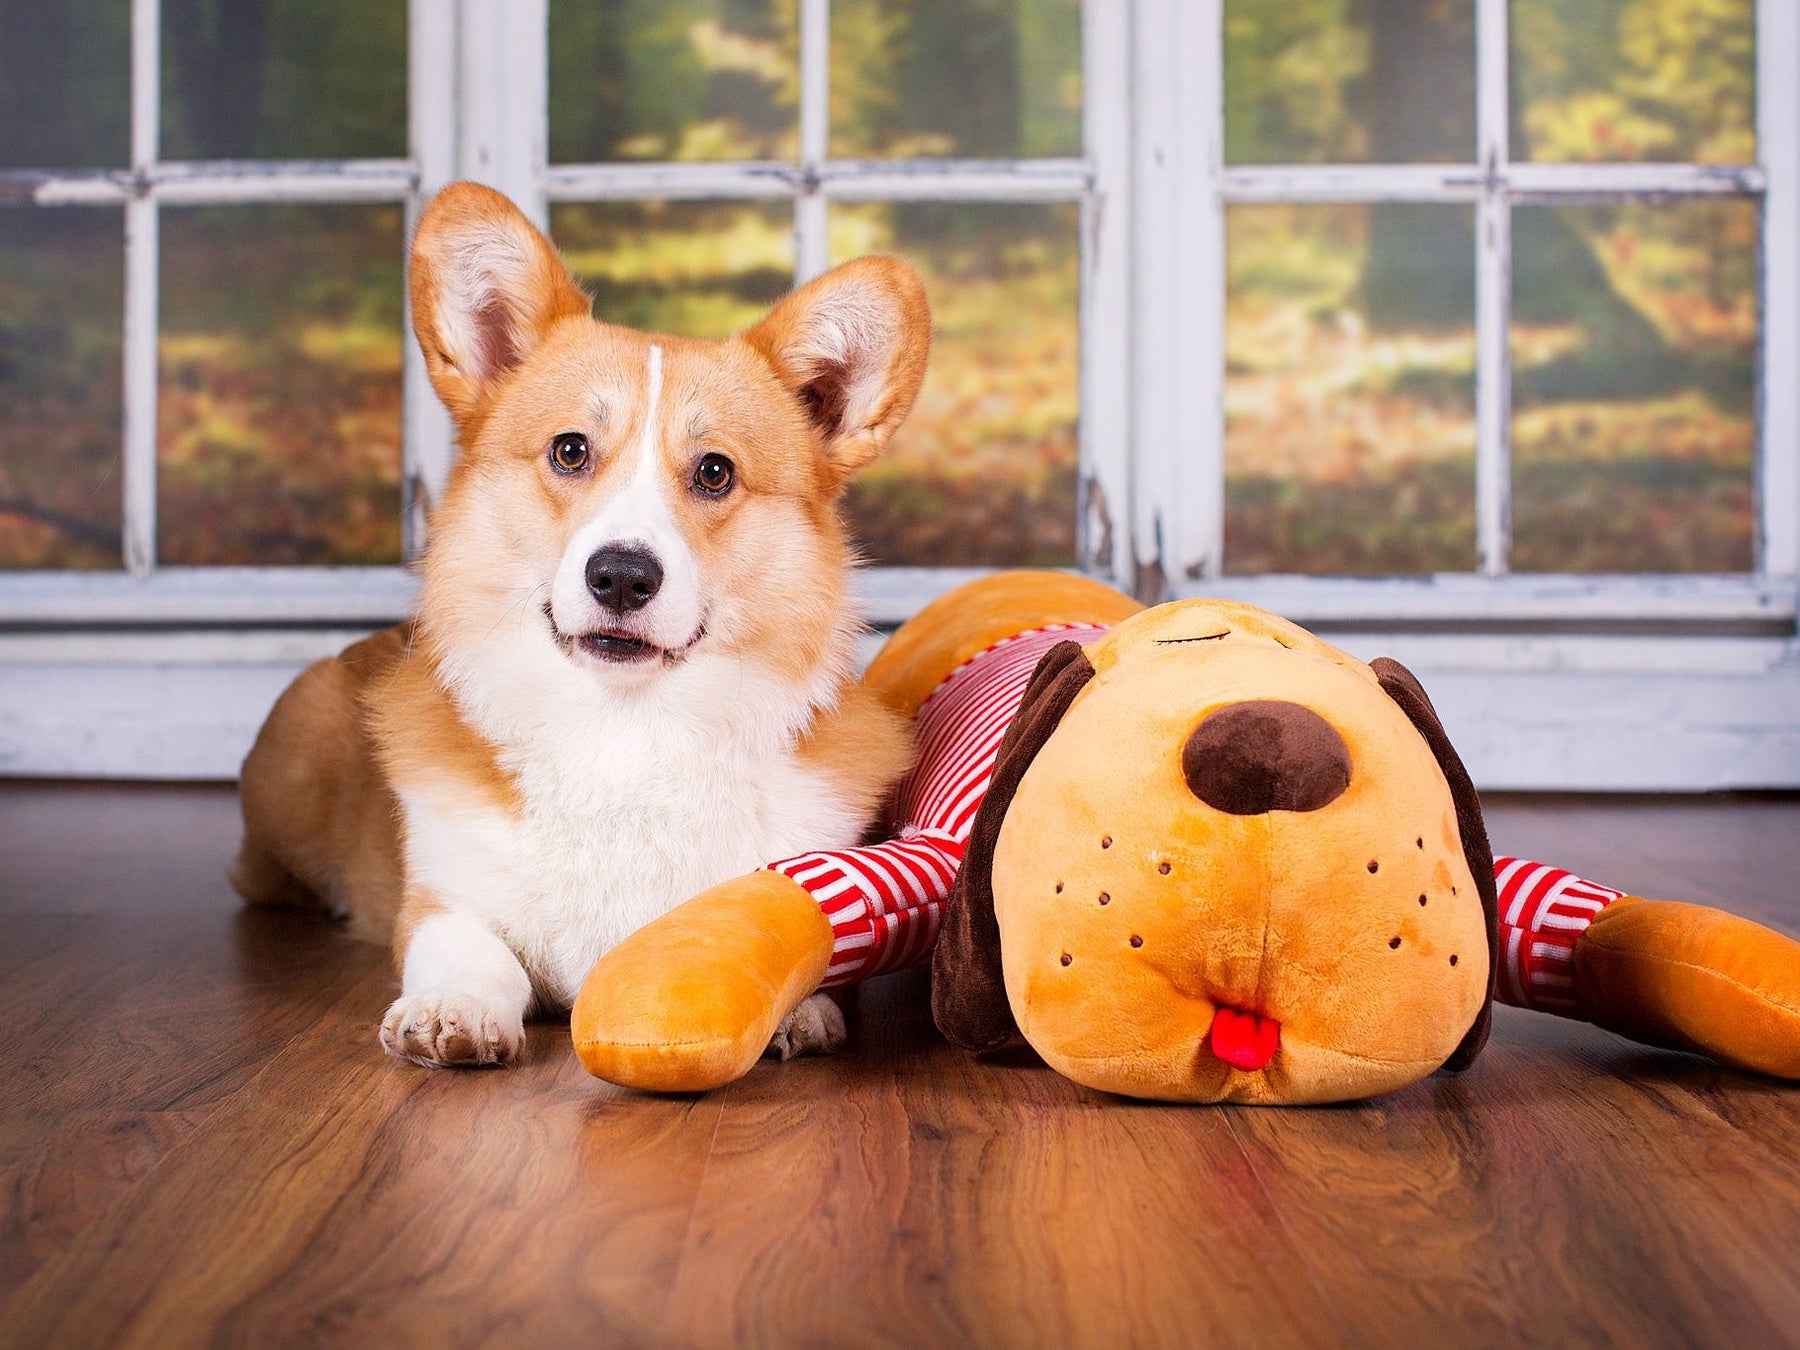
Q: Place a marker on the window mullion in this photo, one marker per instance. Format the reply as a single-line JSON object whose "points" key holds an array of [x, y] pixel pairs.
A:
{"points": [[1493, 293], [139, 455], [503, 72], [1178, 285], [1362, 183], [1103, 525], [1778, 149], [427, 440], [1197, 546], [812, 243]]}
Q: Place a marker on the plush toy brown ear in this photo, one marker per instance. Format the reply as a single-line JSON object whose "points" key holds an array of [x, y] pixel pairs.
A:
{"points": [[968, 989], [1404, 688]]}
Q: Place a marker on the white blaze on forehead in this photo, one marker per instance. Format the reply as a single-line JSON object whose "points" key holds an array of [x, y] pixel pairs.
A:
{"points": [[647, 439], [635, 510]]}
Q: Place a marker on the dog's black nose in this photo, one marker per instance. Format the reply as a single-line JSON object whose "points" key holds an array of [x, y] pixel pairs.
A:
{"points": [[1265, 755], [624, 579]]}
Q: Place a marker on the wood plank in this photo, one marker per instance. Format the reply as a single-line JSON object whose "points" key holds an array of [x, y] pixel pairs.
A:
{"points": [[171, 1016], [147, 983], [928, 1198], [1568, 1189], [345, 1196], [60, 1173]]}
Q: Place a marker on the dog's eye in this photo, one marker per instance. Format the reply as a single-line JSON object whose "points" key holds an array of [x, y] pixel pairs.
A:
{"points": [[714, 475], [569, 452]]}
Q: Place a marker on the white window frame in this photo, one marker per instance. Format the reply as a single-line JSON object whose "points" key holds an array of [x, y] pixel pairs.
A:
{"points": [[143, 592], [1185, 188], [1627, 682]]}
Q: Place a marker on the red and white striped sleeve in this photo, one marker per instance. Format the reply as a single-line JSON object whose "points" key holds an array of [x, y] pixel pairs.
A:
{"points": [[886, 901], [1543, 912]]}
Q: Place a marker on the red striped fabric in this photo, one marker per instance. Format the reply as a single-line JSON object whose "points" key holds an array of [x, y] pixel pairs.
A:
{"points": [[885, 902], [1543, 911]]}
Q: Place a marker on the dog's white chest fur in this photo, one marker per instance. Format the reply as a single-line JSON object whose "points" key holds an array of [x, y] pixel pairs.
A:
{"points": [[623, 817]]}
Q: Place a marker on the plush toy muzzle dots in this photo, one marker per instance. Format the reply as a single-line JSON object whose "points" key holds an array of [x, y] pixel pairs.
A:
{"points": [[1190, 853], [1232, 869]]}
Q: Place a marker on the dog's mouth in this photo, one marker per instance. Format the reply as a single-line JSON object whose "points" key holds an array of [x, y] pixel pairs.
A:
{"points": [[617, 647]]}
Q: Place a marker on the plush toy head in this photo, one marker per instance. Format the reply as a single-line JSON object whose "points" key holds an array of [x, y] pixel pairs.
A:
{"points": [[1223, 861]]}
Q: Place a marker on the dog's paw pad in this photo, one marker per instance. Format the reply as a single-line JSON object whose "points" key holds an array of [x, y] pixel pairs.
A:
{"points": [[816, 1027], [443, 1030]]}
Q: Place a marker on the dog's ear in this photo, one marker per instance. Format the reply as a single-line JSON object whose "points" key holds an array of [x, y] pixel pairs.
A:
{"points": [[486, 285], [851, 347], [968, 988], [1404, 688]]}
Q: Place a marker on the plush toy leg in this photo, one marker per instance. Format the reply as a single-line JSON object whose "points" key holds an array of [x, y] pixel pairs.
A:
{"points": [[689, 1002], [1692, 978], [1661, 972]]}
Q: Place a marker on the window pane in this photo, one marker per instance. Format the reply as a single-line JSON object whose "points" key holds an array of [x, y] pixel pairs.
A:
{"points": [[983, 472], [1634, 361], [1671, 80], [283, 79], [673, 79], [65, 85], [62, 293], [981, 78], [278, 437], [699, 269], [1349, 389], [1349, 81]]}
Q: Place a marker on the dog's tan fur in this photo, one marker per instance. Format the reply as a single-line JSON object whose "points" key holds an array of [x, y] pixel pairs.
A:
{"points": [[419, 726]]}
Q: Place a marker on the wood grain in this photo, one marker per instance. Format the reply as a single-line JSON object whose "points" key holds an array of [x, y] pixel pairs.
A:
{"points": [[200, 1142]]}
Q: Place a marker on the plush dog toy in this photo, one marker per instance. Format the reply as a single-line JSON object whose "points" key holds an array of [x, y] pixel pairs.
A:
{"points": [[1191, 853]]}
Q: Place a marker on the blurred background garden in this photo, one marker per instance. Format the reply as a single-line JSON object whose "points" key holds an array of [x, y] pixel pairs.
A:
{"points": [[1350, 381], [1350, 395]]}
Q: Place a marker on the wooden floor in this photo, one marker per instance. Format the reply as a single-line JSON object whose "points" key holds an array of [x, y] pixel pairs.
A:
{"points": [[200, 1141]]}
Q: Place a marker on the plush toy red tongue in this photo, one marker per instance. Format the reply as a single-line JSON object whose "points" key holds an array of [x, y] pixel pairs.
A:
{"points": [[1244, 1040]]}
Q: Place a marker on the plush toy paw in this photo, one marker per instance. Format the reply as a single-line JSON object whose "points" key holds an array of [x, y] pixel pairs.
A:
{"points": [[1691, 978], [816, 1027], [444, 1029], [693, 1000]]}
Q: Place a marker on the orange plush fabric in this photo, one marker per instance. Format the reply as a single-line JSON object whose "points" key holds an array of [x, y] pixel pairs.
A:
{"points": [[690, 1001], [1691, 978], [975, 616]]}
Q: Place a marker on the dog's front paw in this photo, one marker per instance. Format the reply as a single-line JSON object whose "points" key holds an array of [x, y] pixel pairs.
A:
{"points": [[448, 1029], [816, 1027]]}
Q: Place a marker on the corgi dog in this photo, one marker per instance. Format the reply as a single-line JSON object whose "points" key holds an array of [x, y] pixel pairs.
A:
{"points": [[629, 675]]}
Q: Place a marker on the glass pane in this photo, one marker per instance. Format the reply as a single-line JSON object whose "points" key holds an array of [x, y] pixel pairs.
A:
{"points": [[1349, 389], [673, 79], [698, 269], [983, 472], [284, 79], [1670, 80], [982, 78], [278, 429], [62, 295], [65, 84], [1634, 367], [1349, 81]]}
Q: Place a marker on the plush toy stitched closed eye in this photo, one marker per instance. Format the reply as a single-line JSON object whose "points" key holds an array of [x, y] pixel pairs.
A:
{"points": [[1191, 853]]}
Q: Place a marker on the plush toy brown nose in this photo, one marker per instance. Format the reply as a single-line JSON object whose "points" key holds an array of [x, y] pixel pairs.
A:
{"points": [[1265, 755]]}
